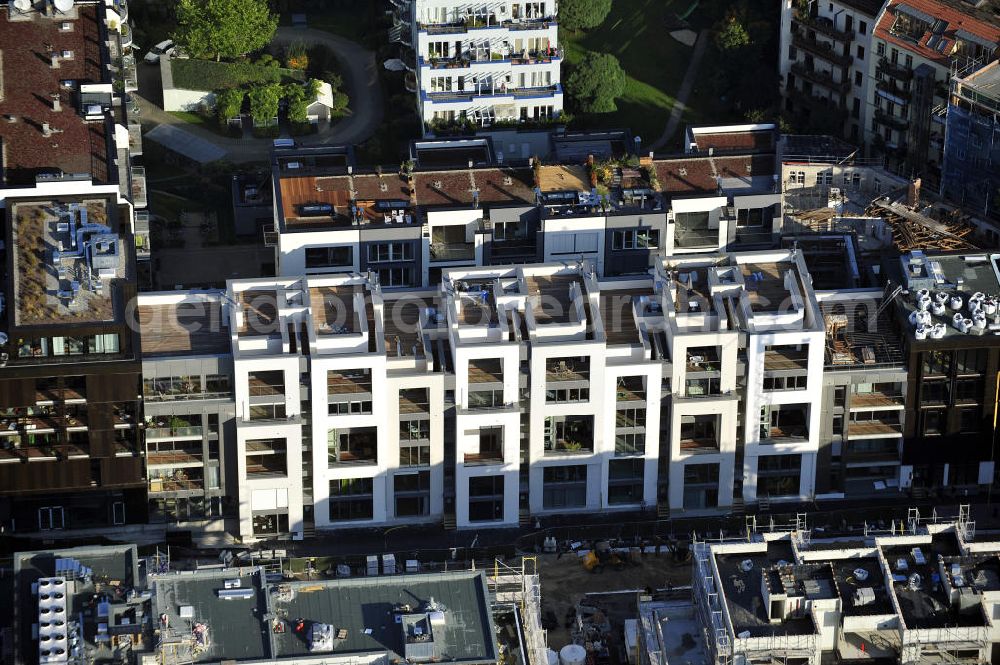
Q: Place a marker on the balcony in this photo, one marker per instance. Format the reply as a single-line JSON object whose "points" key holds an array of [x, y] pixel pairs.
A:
{"points": [[138, 186], [184, 456], [488, 457], [143, 239], [822, 49], [411, 431], [414, 401], [452, 243], [884, 118], [486, 399], [887, 426], [179, 481], [893, 89], [258, 386], [784, 423], [876, 400], [630, 389], [824, 26], [53, 394], [563, 370], [879, 450], [821, 77], [172, 428], [485, 371], [358, 445], [894, 70], [703, 359], [569, 435], [485, 22], [779, 358], [349, 382], [629, 445], [630, 418], [492, 91]]}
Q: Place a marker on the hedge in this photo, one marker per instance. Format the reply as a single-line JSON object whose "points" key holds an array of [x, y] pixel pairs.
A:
{"points": [[190, 74]]}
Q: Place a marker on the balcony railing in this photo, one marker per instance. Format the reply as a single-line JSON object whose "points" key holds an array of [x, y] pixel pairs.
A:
{"points": [[822, 49], [488, 457], [898, 71], [861, 401], [825, 26], [161, 485], [479, 23], [868, 428], [491, 91], [452, 251], [821, 77], [699, 445], [891, 121], [893, 89], [174, 432], [568, 447]]}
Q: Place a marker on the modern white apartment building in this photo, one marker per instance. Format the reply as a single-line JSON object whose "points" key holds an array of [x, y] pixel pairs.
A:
{"points": [[746, 341], [483, 62]]}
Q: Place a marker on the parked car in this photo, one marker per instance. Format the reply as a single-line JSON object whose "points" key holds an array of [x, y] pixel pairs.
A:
{"points": [[163, 48]]}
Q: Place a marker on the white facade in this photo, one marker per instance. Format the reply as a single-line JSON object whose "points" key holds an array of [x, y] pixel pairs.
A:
{"points": [[486, 62]]}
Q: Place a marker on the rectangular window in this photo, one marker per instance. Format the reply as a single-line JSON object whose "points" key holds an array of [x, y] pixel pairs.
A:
{"points": [[636, 239], [351, 499], [861, 52], [932, 422], [329, 257], [858, 78], [486, 498], [625, 481], [564, 486], [412, 493], [862, 27], [390, 251]]}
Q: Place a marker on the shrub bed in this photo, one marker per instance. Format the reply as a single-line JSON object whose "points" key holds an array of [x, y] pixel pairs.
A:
{"points": [[191, 74]]}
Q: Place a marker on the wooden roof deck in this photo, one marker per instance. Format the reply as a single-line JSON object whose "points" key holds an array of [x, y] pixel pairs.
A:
{"points": [[182, 329], [260, 313], [402, 324], [333, 308], [618, 315], [554, 302], [767, 294]]}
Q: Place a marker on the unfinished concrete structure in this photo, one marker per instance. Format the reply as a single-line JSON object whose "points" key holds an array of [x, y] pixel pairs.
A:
{"points": [[920, 592]]}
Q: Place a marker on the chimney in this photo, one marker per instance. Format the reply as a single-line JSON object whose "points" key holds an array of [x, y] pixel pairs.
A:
{"points": [[56, 103], [913, 193], [46, 130], [54, 60]]}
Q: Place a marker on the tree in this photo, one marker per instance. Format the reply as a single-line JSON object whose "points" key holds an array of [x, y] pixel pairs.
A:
{"points": [[223, 28], [298, 103], [228, 104], [732, 36], [583, 14], [595, 83], [264, 102]]}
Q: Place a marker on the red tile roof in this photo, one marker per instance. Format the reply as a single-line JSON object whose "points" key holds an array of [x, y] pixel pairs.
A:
{"points": [[958, 17], [28, 83]]}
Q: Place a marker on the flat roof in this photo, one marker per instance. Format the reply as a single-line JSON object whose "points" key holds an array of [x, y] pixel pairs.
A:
{"points": [[28, 83], [73, 288], [402, 323], [366, 610], [742, 583], [563, 178], [709, 174], [618, 314], [113, 571], [184, 328], [554, 291], [458, 188], [237, 628], [849, 581], [750, 140]]}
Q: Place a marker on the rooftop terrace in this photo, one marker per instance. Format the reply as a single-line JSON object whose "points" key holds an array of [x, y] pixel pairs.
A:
{"points": [[183, 328], [66, 257]]}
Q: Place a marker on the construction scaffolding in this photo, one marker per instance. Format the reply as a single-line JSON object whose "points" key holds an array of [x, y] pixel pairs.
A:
{"points": [[519, 588]]}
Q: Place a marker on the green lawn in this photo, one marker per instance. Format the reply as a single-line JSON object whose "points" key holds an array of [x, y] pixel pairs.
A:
{"points": [[188, 116], [637, 33]]}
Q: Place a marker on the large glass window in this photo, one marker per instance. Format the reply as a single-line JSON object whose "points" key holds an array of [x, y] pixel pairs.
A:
{"points": [[625, 481], [778, 475], [564, 486], [351, 499], [486, 498], [329, 257], [412, 493]]}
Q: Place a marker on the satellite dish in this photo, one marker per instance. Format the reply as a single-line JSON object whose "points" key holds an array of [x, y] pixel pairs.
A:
{"points": [[64, 6], [22, 5]]}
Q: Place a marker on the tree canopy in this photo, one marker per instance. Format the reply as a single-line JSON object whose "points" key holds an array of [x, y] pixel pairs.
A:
{"points": [[223, 28], [583, 14], [228, 103], [264, 101], [595, 83]]}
